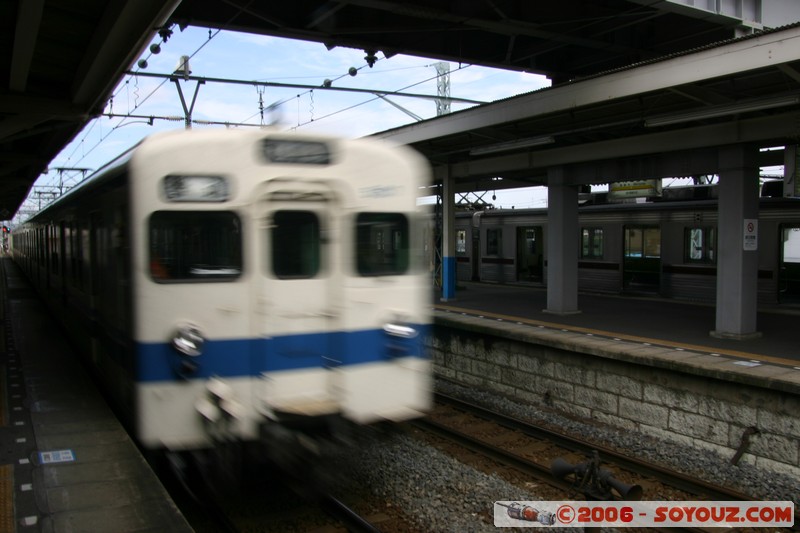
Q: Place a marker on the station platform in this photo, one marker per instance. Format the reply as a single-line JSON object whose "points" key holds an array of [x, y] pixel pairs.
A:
{"points": [[645, 367], [66, 463], [649, 321]]}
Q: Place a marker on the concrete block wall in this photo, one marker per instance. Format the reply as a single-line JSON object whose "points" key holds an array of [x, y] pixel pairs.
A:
{"points": [[694, 399]]}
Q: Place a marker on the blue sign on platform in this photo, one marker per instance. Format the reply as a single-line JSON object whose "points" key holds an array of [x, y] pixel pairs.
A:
{"points": [[56, 456]]}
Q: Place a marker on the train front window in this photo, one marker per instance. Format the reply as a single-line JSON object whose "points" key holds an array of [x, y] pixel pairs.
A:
{"points": [[295, 244], [382, 244], [188, 246]]}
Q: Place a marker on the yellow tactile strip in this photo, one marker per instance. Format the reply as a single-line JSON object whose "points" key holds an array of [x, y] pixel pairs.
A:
{"points": [[7, 498]]}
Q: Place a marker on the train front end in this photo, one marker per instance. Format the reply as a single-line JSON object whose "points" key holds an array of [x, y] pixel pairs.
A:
{"points": [[280, 285]]}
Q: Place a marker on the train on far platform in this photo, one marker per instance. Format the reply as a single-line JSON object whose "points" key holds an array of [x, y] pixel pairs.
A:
{"points": [[247, 287], [665, 247]]}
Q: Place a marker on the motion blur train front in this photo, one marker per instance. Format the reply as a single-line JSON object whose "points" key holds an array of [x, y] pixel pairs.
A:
{"points": [[223, 281]]}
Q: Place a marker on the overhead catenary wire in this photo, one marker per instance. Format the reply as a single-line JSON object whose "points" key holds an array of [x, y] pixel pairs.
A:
{"points": [[396, 93], [121, 123], [137, 74]]}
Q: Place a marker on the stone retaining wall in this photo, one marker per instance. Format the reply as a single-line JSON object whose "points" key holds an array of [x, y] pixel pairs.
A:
{"points": [[692, 398]]}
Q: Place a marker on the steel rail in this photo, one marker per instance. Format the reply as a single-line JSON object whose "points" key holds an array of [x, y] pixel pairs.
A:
{"points": [[543, 472], [489, 450], [354, 522], [672, 477]]}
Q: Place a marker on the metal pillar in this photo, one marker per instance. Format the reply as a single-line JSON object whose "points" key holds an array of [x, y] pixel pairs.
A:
{"points": [[737, 260], [791, 158], [448, 238], [442, 88], [562, 244], [187, 110]]}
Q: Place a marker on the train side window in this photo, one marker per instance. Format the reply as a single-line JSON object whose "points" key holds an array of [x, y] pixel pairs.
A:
{"points": [[592, 243], [188, 246], [382, 244], [700, 245], [644, 243], [295, 244], [493, 239], [55, 244], [461, 241]]}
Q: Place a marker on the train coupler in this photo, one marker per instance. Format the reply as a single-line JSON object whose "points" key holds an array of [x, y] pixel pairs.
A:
{"points": [[220, 409]]}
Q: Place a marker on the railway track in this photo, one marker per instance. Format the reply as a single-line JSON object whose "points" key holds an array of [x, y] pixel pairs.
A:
{"points": [[354, 522], [530, 449], [677, 480], [269, 508]]}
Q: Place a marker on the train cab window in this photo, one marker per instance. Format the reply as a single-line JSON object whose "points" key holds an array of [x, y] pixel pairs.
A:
{"points": [[382, 244], [295, 244], [592, 243], [700, 245], [188, 246]]}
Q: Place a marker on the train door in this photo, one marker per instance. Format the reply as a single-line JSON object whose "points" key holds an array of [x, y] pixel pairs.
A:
{"points": [[530, 253], [299, 268], [641, 263], [789, 273]]}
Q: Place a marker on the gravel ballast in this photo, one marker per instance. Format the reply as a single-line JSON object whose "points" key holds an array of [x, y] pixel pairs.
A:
{"points": [[439, 493]]}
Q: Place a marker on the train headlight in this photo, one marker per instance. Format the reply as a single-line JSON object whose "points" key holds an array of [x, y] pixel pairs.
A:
{"points": [[188, 340], [400, 330]]}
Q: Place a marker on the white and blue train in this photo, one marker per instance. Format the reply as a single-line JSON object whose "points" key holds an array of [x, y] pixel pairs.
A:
{"points": [[220, 283]]}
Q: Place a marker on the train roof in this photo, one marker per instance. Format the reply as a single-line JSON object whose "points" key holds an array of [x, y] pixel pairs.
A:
{"points": [[114, 168]]}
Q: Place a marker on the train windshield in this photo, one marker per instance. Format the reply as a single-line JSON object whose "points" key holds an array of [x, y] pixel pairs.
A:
{"points": [[382, 244], [295, 244], [195, 246]]}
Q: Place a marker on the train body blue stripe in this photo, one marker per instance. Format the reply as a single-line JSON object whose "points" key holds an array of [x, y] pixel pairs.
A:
{"points": [[252, 357]]}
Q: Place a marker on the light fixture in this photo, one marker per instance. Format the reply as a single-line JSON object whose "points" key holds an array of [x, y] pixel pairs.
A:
{"points": [[744, 106], [370, 58], [182, 68], [511, 145]]}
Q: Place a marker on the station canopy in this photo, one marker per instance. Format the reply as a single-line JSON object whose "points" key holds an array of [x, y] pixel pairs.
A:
{"points": [[60, 61]]}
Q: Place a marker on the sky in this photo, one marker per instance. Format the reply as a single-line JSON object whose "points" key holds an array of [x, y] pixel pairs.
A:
{"points": [[250, 57]]}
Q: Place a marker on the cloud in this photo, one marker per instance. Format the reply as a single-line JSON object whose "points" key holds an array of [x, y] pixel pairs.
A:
{"points": [[247, 57]]}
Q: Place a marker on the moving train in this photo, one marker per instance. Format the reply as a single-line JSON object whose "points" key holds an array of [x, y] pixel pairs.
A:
{"points": [[666, 247], [235, 286]]}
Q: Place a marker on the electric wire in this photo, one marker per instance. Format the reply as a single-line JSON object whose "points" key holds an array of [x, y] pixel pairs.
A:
{"points": [[137, 104], [460, 67]]}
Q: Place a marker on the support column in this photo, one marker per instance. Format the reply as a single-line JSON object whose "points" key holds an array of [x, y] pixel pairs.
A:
{"points": [[448, 238], [737, 243], [562, 244], [791, 158]]}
